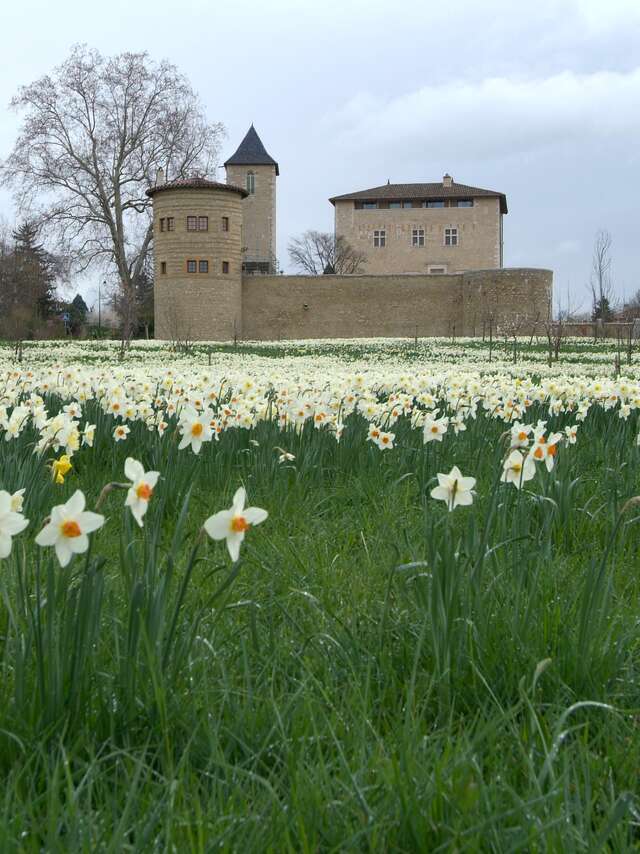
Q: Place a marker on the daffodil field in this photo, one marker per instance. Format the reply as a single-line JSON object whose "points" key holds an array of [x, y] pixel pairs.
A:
{"points": [[320, 596]]}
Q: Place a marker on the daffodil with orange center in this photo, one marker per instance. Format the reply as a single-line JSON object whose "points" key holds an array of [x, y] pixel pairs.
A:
{"points": [[231, 525], [68, 528], [141, 489]]}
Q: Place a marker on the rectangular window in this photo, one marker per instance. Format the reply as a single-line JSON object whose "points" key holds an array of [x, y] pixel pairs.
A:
{"points": [[225, 223], [434, 204], [163, 268], [380, 237], [203, 266], [451, 237], [203, 223], [417, 237], [225, 267], [192, 266], [435, 270], [465, 203], [171, 224], [161, 223], [395, 204], [369, 206], [251, 183], [407, 204], [192, 223]]}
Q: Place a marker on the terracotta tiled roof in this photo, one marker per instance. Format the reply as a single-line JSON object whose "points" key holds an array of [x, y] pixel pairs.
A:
{"points": [[433, 191], [196, 183], [251, 152]]}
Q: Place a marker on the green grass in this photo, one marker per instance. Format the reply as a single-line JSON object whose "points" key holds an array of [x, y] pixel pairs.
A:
{"points": [[374, 675]]}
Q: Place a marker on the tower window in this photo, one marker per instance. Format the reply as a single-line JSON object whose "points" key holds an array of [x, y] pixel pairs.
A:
{"points": [[192, 266], [161, 223], [417, 237], [225, 267], [203, 266], [251, 182], [163, 268], [197, 223], [451, 237], [380, 237], [171, 224], [225, 223]]}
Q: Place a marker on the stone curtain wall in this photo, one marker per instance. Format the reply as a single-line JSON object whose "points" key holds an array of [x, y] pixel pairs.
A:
{"points": [[286, 307], [511, 300]]}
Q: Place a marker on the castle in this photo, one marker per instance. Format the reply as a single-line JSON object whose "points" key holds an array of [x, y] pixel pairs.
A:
{"points": [[433, 261]]}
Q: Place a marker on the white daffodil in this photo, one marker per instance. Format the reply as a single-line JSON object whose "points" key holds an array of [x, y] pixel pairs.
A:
{"points": [[455, 489], [384, 440], [520, 435], [88, 434], [572, 434], [12, 522], [233, 523], [545, 449], [195, 428], [121, 432], [17, 500], [434, 428], [68, 527], [141, 489], [517, 469]]}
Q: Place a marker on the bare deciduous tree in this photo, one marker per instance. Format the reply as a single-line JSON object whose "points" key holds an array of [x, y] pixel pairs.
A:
{"points": [[600, 282], [92, 136], [317, 252]]}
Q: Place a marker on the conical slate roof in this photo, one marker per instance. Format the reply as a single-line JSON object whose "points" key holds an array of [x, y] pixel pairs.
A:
{"points": [[251, 152]]}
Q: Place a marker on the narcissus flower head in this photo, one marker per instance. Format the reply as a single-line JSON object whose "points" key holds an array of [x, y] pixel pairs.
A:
{"points": [[141, 489], [455, 489], [68, 528], [60, 468], [12, 522], [231, 525], [517, 469]]}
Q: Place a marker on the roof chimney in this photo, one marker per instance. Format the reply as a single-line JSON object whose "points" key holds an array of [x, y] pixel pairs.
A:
{"points": [[447, 180], [159, 176]]}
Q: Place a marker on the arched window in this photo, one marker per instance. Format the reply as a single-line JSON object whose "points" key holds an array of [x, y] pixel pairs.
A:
{"points": [[251, 182]]}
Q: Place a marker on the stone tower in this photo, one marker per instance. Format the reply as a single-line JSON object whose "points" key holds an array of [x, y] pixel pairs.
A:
{"points": [[197, 244], [254, 169]]}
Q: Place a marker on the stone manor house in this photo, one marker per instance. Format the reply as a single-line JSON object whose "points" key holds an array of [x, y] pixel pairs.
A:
{"points": [[434, 261]]}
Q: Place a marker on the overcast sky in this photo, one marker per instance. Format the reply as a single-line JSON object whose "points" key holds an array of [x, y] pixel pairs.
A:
{"points": [[539, 100]]}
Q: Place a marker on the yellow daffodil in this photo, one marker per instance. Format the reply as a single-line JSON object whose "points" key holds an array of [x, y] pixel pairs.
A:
{"points": [[60, 468]]}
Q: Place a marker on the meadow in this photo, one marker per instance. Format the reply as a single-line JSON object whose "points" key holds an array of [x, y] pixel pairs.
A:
{"points": [[421, 634]]}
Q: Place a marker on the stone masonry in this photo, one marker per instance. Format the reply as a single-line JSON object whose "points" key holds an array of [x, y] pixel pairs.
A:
{"points": [[206, 232]]}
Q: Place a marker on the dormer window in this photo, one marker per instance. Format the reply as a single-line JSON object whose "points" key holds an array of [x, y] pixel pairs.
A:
{"points": [[251, 183]]}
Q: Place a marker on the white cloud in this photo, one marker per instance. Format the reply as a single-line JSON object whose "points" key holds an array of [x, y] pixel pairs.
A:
{"points": [[493, 117]]}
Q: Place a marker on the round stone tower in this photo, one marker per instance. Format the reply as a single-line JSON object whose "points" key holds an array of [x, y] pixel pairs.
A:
{"points": [[197, 244]]}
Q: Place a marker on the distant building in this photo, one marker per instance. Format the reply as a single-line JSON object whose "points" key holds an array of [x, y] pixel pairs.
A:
{"points": [[252, 168], [216, 272], [423, 228]]}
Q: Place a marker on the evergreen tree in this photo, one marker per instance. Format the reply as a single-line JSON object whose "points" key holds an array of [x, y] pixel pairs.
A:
{"points": [[78, 310], [35, 273]]}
